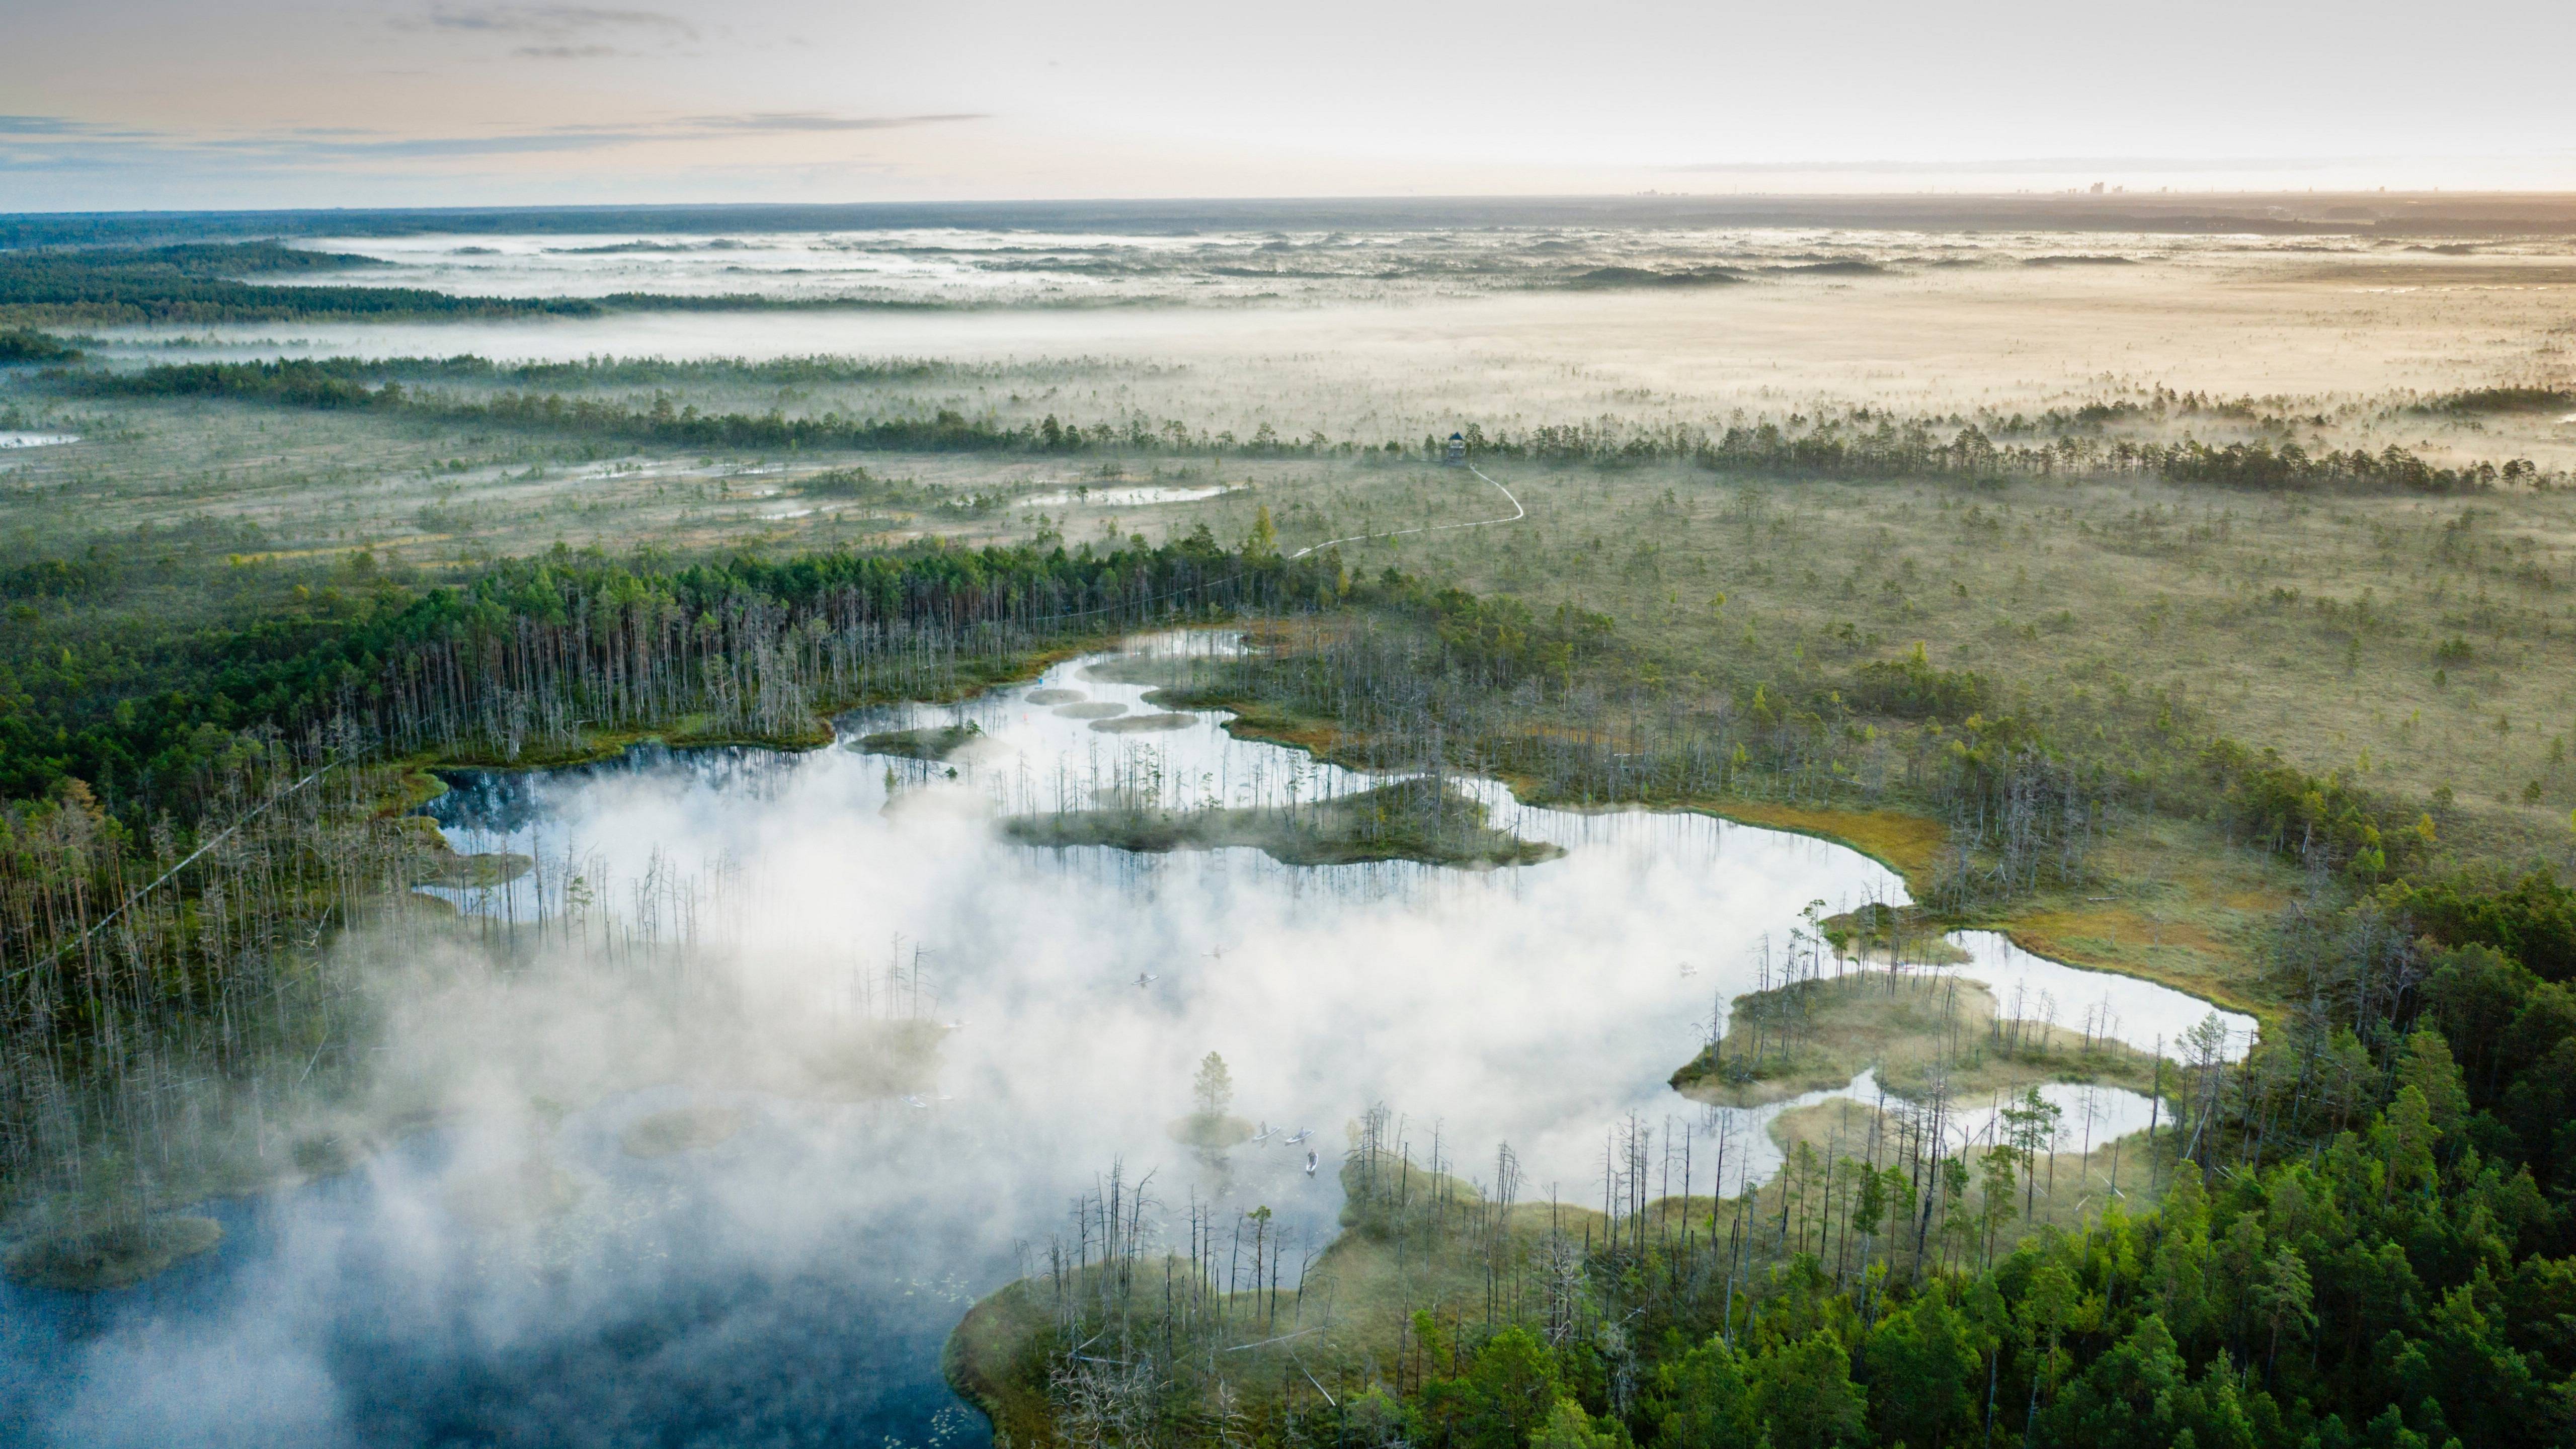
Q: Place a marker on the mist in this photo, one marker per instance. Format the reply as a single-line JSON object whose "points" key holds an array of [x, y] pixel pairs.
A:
{"points": [[763, 937]]}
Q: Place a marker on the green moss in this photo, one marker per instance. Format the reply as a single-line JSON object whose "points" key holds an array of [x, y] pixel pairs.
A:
{"points": [[928, 743], [1408, 820], [1918, 1033], [1906, 935], [472, 872], [114, 1257]]}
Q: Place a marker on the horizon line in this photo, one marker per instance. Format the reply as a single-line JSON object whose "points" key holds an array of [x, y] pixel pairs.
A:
{"points": [[2163, 194]]}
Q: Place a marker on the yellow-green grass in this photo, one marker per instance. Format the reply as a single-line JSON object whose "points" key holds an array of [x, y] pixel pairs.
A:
{"points": [[2072, 1190], [1918, 1033], [1352, 1323], [2314, 625], [1908, 844], [2174, 902], [1892, 936]]}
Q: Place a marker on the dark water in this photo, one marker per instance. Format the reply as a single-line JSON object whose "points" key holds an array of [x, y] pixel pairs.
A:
{"points": [[794, 1284], [313, 1324]]}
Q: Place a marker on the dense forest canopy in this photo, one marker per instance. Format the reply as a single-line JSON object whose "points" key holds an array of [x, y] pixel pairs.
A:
{"points": [[2365, 1239], [134, 714], [213, 727], [196, 283]]}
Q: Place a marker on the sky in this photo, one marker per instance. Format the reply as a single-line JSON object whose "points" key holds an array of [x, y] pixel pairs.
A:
{"points": [[143, 104]]}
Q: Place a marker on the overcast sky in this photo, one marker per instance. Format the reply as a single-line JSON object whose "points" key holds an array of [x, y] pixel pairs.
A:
{"points": [[198, 103]]}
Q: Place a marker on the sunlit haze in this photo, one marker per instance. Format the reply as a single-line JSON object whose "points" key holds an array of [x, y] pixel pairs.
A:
{"points": [[150, 103], [1011, 725]]}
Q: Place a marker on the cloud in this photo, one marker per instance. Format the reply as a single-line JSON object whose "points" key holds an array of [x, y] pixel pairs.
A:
{"points": [[560, 23], [600, 137], [819, 121], [60, 126], [70, 144], [573, 52], [2020, 165]]}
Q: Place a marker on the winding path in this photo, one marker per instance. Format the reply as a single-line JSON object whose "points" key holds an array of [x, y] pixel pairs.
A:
{"points": [[1518, 513]]}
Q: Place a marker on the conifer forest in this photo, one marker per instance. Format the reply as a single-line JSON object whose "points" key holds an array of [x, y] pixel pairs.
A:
{"points": [[1426, 825]]}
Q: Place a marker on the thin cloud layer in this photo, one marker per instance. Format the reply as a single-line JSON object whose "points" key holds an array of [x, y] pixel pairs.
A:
{"points": [[2023, 165], [73, 141], [826, 101], [816, 121], [553, 22]]}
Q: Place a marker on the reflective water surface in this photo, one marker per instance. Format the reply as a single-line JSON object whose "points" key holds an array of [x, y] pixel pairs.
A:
{"points": [[792, 1283]]}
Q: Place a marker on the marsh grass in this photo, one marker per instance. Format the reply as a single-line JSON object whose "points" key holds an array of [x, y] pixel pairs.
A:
{"points": [[2419, 645], [930, 742], [1418, 820], [1115, 1340], [1897, 935], [2129, 618], [1925, 1038], [2072, 1188], [1222, 1344]]}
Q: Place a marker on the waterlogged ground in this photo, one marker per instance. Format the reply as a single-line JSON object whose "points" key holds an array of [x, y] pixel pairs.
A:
{"points": [[930, 266], [1376, 335], [518, 1274]]}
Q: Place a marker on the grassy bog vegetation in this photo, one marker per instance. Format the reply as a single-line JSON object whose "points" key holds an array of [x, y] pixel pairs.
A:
{"points": [[2265, 696]]}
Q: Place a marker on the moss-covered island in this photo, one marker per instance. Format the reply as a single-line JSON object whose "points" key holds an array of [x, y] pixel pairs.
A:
{"points": [[1919, 1034], [1416, 820]]}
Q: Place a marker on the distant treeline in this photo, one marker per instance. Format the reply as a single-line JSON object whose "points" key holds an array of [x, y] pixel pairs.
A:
{"points": [[1862, 444], [637, 371], [341, 383], [2498, 400], [2446, 215], [199, 283], [610, 371], [25, 344], [510, 656]]}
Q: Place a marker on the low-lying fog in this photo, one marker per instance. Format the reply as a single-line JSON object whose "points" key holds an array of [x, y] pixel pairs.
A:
{"points": [[976, 266], [979, 266], [1379, 336], [518, 1271]]}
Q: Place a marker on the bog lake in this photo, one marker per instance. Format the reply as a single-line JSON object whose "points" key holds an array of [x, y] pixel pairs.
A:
{"points": [[791, 1277]]}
